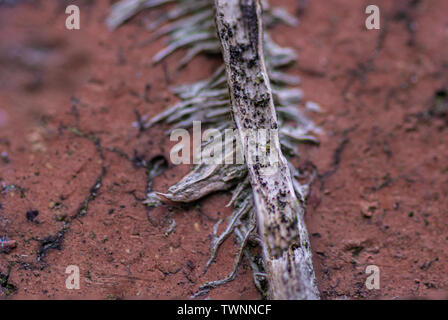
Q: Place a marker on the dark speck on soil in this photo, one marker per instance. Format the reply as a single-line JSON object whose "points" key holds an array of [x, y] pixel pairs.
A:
{"points": [[31, 216]]}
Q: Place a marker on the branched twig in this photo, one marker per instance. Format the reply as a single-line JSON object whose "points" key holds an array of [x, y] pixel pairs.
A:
{"points": [[214, 284]]}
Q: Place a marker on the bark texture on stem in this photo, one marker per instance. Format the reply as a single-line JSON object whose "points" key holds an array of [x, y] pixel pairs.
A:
{"points": [[279, 213]]}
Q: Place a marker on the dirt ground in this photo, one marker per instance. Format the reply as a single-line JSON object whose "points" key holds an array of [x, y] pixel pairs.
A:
{"points": [[71, 159]]}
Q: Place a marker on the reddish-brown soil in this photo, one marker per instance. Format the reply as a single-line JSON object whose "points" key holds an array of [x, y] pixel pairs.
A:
{"points": [[70, 153]]}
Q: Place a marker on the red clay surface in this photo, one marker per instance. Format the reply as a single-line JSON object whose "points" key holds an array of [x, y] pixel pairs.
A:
{"points": [[381, 196]]}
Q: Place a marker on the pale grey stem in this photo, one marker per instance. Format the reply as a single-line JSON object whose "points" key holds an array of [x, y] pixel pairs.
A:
{"points": [[279, 213]]}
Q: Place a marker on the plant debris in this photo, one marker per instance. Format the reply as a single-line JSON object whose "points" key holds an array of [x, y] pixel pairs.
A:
{"points": [[191, 26]]}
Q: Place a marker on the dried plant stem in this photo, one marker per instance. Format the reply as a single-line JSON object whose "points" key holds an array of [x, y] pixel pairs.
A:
{"points": [[286, 268], [279, 213]]}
